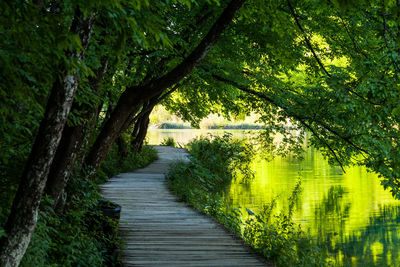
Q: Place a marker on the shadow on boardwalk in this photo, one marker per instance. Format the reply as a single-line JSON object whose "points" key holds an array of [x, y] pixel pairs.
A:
{"points": [[160, 230]]}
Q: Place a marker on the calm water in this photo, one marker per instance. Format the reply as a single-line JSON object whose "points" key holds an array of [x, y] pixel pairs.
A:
{"points": [[348, 212]]}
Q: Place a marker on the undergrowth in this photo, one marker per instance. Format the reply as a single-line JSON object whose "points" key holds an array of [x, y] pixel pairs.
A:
{"points": [[169, 141], [114, 164], [79, 235], [201, 183], [70, 238]]}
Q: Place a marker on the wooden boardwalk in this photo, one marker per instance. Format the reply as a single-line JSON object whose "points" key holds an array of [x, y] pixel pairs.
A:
{"points": [[158, 230]]}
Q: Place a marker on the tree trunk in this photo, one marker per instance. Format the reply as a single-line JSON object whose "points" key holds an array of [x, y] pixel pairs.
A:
{"points": [[142, 120], [64, 159], [133, 97], [134, 134], [109, 106], [23, 217], [93, 121], [122, 147], [70, 145], [108, 134], [139, 135]]}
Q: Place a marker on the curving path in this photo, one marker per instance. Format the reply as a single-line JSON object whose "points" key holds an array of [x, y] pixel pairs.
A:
{"points": [[161, 231]]}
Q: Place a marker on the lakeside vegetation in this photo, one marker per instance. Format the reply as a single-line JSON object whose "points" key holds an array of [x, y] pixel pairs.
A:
{"points": [[202, 183], [168, 142], [224, 126]]}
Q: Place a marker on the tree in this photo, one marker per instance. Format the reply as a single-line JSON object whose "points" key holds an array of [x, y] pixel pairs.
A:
{"points": [[332, 70], [134, 97], [23, 217]]}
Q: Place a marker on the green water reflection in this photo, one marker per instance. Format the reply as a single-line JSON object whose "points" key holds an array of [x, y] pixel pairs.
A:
{"points": [[350, 213]]}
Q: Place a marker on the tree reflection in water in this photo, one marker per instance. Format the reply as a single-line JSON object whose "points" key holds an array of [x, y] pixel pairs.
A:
{"points": [[374, 245]]}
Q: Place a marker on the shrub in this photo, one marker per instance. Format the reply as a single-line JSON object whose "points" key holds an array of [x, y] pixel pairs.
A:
{"points": [[224, 156], [169, 141], [115, 164], [67, 239]]}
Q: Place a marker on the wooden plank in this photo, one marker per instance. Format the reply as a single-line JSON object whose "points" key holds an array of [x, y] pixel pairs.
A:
{"points": [[159, 230]]}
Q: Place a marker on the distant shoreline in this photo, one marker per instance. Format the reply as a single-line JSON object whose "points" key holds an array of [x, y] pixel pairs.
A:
{"points": [[239, 126]]}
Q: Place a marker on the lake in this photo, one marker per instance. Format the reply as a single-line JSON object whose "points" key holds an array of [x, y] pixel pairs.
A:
{"points": [[349, 212]]}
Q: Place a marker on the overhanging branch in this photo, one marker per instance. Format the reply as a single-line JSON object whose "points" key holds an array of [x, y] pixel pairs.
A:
{"points": [[193, 59], [306, 39], [301, 119], [320, 64]]}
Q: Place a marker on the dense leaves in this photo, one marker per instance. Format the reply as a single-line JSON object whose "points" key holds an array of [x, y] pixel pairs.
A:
{"points": [[331, 70]]}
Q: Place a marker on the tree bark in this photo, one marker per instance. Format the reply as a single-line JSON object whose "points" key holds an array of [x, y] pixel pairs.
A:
{"points": [[61, 167], [133, 98], [70, 145], [122, 147], [139, 135], [93, 122], [142, 120], [134, 133], [23, 217], [108, 134]]}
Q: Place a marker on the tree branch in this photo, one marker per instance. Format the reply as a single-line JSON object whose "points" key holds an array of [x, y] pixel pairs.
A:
{"points": [[194, 58], [134, 97], [155, 102], [290, 113], [295, 16], [306, 39]]}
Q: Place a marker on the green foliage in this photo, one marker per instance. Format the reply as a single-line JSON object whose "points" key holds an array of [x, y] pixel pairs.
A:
{"points": [[80, 235], [217, 160], [225, 156], [173, 125], [198, 180], [68, 238], [114, 164], [331, 70], [168, 142], [274, 235]]}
